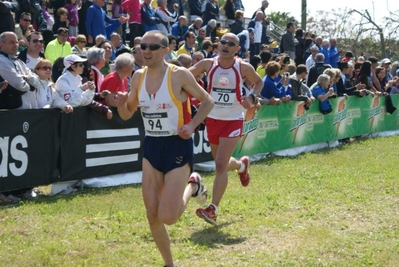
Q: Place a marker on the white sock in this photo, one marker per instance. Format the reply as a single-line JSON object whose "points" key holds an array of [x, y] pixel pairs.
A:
{"points": [[216, 207], [242, 168]]}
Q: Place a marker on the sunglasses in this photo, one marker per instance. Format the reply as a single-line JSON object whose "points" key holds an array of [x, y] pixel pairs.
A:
{"points": [[35, 41], [229, 43], [26, 20], [79, 64], [83, 42], [153, 47], [45, 68]]}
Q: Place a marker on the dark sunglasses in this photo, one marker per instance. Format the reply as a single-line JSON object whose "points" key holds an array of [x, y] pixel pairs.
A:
{"points": [[153, 47], [79, 64], [83, 42], [35, 41], [229, 43], [27, 20], [45, 68]]}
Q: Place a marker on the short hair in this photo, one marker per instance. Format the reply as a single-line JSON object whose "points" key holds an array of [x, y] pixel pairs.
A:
{"points": [[299, 32], [379, 69], [114, 34], [3, 35], [188, 34], [159, 2], [32, 33], [319, 57], [184, 59], [206, 44], [94, 55], [323, 78], [265, 56], [61, 10], [99, 37], [301, 69], [212, 23], [373, 60], [289, 24], [80, 37], [125, 59], [238, 13], [291, 68], [272, 68], [25, 14], [62, 30]]}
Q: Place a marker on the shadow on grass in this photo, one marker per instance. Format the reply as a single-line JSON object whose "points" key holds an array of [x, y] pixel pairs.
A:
{"points": [[213, 236]]}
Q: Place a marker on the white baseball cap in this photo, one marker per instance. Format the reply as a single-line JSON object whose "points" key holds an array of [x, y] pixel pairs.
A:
{"points": [[72, 59]]}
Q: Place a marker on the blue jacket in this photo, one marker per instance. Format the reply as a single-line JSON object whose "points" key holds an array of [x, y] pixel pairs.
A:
{"points": [[149, 19], [325, 106], [95, 21], [334, 56], [273, 88], [178, 31]]}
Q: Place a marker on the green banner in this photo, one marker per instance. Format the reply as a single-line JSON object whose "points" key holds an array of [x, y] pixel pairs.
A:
{"points": [[289, 125]]}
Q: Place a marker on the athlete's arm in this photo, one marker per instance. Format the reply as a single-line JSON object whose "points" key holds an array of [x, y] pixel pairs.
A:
{"points": [[190, 85], [201, 67], [127, 108]]}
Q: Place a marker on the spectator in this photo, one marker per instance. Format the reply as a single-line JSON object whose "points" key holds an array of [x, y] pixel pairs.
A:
{"points": [[117, 12], [322, 92], [380, 73], [395, 85], [311, 60], [211, 11], [200, 38], [185, 60], [256, 24], [172, 55], [96, 19], [195, 10], [342, 88], [300, 92], [96, 60], [33, 53], [149, 20], [116, 41], [207, 49], [61, 20], [187, 47], [173, 3], [289, 42], [255, 61], [196, 26], [59, 47], [46, 15], [245, 38], [273, 88], [138, 58], [334, 76], [198, 56], [80, 46], [8, 20], [215, 50], [386, 63], [334, 53], [165, 16], [179, 28], [348, 56], [309, 44], [14, 73], [71, 90], [374, 80], [220, 31], [211, 29], [133, 8], [317, 69], [229, 10], [108, 47], [364, 77], [299, 47], [23, 29], [117, 81], [265, 57], [238, 25], [265, 22], [73, 16], [325, 45]]}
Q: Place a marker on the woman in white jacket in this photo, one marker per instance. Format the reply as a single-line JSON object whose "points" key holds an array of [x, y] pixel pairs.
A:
{"points": [[165, 16]]}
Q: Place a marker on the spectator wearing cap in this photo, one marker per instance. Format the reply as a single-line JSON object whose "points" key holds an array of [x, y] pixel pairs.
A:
{"points": [[245, 38], [386, 63], [59, 47], [238, 24]]}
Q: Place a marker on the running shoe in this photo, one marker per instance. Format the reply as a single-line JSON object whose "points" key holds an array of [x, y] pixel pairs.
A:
{"points": [[208, 214], [202, 194], [244, 176]]}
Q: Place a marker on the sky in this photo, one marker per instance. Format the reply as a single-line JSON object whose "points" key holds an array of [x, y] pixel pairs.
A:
{"points": [[293, 7]]}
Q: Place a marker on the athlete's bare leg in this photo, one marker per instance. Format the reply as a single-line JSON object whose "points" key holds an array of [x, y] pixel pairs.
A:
{"points": [[165, 198]]}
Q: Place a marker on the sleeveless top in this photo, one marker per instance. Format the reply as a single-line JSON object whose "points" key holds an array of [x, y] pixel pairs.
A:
{"points": [[224, 86], [162, 112]]}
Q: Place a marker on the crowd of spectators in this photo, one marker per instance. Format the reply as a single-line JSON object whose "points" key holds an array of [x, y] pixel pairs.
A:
{"points": [[65, 54]]}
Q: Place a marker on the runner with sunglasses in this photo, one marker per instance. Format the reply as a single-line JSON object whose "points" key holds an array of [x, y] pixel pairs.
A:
{"points": [[225, 75], [162, 90]]}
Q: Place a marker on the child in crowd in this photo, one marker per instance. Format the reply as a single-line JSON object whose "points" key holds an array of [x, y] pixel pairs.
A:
{"points": [[73, 17], [46, 15], [61, 20]]}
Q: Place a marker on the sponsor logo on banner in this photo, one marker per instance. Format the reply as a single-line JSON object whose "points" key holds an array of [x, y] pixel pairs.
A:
{"points": [[375, 110], [340, 114], [298, 120], [13, 157], [109, 141]]}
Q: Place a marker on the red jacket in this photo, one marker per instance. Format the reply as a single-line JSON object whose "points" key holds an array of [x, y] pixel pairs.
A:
{"points": [[132, 7]]}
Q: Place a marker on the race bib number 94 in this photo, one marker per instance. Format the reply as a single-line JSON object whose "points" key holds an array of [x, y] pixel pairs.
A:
{"points": [[157, 124]]}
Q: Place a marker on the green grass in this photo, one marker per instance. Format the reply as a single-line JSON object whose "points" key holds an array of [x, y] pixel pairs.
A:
{"points": [[333, 207]]}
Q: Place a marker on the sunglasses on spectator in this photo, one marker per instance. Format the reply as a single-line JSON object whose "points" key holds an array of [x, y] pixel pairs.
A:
{"points": [[26, 20], [229, 43], [153, 47], [79, 64], [45, 68], [35, 41], [83, 42]]}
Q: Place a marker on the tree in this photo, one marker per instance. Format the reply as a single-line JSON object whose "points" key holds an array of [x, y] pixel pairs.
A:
{"points": [[282, 18]]}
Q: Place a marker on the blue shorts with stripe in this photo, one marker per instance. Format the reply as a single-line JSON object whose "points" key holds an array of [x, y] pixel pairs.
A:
{"points": [[168, 153]]}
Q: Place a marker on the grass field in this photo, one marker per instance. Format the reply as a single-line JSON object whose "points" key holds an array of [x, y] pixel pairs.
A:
{"points": [[333, 207]]}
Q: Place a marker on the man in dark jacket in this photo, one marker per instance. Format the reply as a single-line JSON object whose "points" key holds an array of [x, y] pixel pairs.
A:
{"points": [[317, 69], [31, 55], [238, 24], [195, 9]]}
